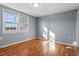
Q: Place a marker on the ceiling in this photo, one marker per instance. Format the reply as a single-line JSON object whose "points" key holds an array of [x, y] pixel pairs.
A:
{"points": [[43, 9]]}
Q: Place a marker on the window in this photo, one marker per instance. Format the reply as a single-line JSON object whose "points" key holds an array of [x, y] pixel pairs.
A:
{"points": [[9, 21], [23, 22]]}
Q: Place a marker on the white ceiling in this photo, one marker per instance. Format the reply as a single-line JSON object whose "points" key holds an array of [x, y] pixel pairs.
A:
{"points": [[43, 9]]}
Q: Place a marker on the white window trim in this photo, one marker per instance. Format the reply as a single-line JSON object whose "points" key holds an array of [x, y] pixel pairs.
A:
{"points": [[7, 31], [26, 30]]}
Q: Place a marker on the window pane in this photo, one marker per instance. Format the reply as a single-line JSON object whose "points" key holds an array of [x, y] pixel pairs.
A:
{"points": [[6, 28], [10, 26], [9, 17], [9, 20], [23, 23]]}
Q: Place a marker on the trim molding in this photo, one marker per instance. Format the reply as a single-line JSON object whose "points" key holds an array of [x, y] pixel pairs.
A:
{"points": [[60, 42], [32, 39], [16, 42]]}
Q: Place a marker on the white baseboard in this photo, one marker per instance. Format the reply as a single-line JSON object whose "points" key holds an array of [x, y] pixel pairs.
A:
{"points": [[60, 42], [16, 42], [31, 39]]}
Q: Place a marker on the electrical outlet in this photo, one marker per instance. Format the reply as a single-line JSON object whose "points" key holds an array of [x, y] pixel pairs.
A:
{"points": [[75, 43]]}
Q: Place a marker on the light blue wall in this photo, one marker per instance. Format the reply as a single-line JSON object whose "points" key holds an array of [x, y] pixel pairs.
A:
{"points": [[15, 37], [62, 24]]}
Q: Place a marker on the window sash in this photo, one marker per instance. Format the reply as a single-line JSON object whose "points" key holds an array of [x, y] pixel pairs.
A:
{"points": [[9, 21]]}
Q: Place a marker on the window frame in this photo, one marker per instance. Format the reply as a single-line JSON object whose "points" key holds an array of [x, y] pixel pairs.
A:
{"points": [[27, 23], [18, 16], [10, 11]]}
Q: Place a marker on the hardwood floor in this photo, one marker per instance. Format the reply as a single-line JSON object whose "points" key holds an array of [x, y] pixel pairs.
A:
{"points": [[37, 47]]}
